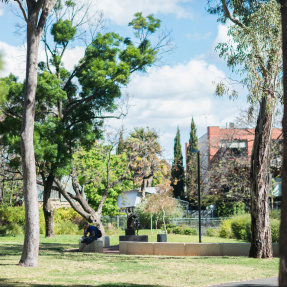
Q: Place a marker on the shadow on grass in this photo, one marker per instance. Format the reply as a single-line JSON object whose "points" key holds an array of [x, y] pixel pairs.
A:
{"points": [[11, 283]]}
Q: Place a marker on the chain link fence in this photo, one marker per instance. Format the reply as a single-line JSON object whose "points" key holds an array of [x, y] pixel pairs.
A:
{"points": [[120, 221]]}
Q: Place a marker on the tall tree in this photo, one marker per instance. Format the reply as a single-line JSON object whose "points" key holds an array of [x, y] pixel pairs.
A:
{"points": [[258, 57], [144, 147], [177, 170], [35, 16], [191, 163], [283, 225], [121, 144], [66, 116]]}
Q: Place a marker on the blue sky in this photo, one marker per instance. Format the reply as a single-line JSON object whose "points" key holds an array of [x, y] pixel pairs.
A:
{"points": [[171, 93]]}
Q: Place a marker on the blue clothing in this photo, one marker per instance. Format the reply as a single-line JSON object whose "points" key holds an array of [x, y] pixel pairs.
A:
{"points": [[90, 230], [91, 238]]}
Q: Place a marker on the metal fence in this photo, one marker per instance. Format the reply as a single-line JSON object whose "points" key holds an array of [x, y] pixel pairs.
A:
{"points": [[120, 221]]}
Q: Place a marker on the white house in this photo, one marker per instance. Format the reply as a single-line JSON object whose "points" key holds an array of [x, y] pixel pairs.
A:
{"points": [[130, 199]]}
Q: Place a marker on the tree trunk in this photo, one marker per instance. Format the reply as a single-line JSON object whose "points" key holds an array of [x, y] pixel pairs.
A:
{"points": [[84, 208], [261, 243], [283, 225], [48, 207], [31, 242]]}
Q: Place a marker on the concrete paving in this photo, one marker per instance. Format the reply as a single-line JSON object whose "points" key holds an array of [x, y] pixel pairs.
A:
{"points": [[267, 282]]}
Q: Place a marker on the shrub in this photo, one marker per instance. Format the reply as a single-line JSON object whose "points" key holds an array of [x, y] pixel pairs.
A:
{"points": [[248, 231], [225, 229], [213, 232], [181, 230], [66, 227], [228, 209], [189, 231], [238, 226], [275, 214], [10, 214], [169, 225], [11, 229], [177, 230], [275, 226]]}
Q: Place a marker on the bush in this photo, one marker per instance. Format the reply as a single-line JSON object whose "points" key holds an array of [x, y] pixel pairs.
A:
{"points": [[177, 230], [182, 230], [275, 214], [169, 225], [228, 209], [11, 229], [238, 226], [10, 214], [275, 226], [225, 229], [213, 232], [189, 231], [66, 227]]}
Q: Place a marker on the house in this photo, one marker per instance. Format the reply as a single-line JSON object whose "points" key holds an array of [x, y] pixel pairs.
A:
{"points": [[234, 143], [130, 199]]}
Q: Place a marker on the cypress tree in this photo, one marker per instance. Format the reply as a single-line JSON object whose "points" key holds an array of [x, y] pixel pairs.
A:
{"points": [[192, 165], [177, 171], [121, 144]]}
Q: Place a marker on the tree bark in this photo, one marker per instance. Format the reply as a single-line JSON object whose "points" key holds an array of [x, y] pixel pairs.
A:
{"points": [[48, 206], [31, 242], [84, 209], [261, 242], [283, 225], [35, 26]]}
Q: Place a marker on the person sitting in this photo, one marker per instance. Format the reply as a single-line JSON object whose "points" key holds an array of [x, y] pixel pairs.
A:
{"points": [[93, 235]]}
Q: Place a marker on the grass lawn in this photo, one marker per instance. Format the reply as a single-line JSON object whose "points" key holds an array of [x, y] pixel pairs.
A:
{"points": [[59, 268]]}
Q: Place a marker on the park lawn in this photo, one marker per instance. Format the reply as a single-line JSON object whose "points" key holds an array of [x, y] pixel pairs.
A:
{"points": [[60, 268]]}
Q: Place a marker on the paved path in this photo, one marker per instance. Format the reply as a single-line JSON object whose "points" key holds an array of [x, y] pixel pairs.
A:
{"points": [[267, 282]]}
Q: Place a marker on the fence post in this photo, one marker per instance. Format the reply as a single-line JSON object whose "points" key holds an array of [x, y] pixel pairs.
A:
{"points": [[118, 221]]}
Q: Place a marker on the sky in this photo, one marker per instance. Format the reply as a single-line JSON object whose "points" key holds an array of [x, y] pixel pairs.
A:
{"points": [[171, 92]]}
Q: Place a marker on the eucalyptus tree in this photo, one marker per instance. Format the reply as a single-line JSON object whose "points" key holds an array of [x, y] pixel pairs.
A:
{"points": [[253, 51], [283, 225], [35, 15]]}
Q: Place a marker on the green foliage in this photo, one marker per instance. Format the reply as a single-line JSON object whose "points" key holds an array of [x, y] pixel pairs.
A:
{"points": [[63, 32], [66, 214], [177, 171], [275, 214], [239, 225], [227, 209], [11, 229], [182, 230], [225, 229], [12, 221], [92, 171], [67, 227], [192, 165], [253, 49], [12, 215], [213, 232], [275, 230]]}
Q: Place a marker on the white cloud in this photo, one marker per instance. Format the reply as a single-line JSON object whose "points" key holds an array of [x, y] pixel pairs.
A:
{"points": [[14, 58], [168, 97], [122, 11]]}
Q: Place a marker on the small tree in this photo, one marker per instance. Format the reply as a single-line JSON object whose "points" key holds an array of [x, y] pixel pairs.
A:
{"points": [[177, 171], [161, 204], [191, 164]]}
